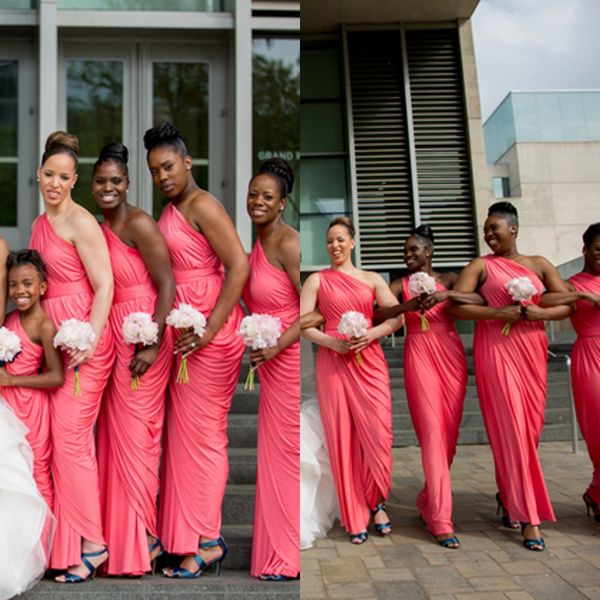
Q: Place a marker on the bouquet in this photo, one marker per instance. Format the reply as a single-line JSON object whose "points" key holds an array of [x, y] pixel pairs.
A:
{"points": [[141, 330], [74, 334], [421, 284], [10, 346], [258, 331], [354, 325], [521, 290], [186, 318]]}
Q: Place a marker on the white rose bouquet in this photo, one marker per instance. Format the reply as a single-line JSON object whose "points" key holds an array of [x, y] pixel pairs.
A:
{"points": [[421, 284], [259, 331], [74, 334], [186, 318], [10, 345], [354, 325], [521, 290], [140, 329]]}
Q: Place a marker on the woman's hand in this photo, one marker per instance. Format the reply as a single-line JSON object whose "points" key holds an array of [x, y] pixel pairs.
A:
{"points": [[430, 300], [338, 345], [143, 360], [593, 299], [358, 344], [4, 377], [258, 357], [533, 312], [509, 313], [80, 357], [188, 342]]}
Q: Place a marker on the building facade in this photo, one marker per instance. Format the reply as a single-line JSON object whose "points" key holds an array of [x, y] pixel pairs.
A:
{"points": [[543, 151], [390, 128], [226, 72]]}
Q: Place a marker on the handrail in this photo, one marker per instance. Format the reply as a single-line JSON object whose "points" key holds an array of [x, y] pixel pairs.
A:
{"points": [[573, 415]]}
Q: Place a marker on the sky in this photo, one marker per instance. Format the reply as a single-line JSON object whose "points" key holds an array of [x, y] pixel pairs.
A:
{"points": [[535, 44]]}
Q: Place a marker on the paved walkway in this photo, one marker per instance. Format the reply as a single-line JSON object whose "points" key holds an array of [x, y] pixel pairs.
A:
{"points": [[491, 564]]}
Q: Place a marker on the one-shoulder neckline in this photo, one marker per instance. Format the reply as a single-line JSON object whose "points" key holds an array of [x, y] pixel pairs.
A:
{"points": [[510, 260], [69, 244], [351, 277], [114, 235], [186, 222], [19, 325], [264, 254]]}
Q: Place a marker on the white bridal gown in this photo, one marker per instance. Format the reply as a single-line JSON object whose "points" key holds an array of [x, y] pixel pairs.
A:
{"points": [[318, 502], [24, 514]]}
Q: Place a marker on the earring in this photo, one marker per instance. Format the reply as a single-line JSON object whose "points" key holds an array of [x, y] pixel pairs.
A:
{"points": [[281, 208]]}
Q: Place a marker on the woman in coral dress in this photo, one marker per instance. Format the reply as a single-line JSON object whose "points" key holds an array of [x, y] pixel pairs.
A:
{"points": [[585, 368], [354, 399], [511, 369], [80, 286], [435, 376], [130, 422], [273, 288], [202, 241]]}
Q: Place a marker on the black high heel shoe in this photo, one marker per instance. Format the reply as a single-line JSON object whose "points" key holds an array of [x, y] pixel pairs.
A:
{"points": [[505, 519], [535, 544], [381, 528], [591, 504], [183, 573]]}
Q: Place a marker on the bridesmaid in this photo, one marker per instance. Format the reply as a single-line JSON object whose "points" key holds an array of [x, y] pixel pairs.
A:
{"points": [[435, 376], [511, 369], [273, 288], [130, 422], [80, 286], [4, 251], [355, 401], [202, 241], [585, 292]]}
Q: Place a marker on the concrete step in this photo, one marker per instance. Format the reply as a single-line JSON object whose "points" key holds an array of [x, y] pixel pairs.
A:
{"points": [[238, 504], [232, 585], [242, 465], [241, 430], [245, 401]]}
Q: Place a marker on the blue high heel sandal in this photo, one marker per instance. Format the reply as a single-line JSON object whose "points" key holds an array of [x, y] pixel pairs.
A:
{"points": [[151, 548], [269, 577], [73, 578], [183, 573], [359, 538], [534, 544], [381, 528]]}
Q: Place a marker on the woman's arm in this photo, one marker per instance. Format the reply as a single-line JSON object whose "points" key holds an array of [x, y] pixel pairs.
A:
{"points": [[554, 284], [52, 377], [4, 250], [215, 224], [289, 257], [154, 252], [93, 252], [308, 302], [312, 319]]}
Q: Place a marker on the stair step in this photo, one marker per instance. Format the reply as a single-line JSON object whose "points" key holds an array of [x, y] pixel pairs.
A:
{"points": [[242, 465], [241, 430], [238, 504], [232, 585]]}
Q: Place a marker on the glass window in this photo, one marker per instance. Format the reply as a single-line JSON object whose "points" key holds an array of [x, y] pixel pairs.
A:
{"points": [[180, 96], [322, 127], [9, 87], [321, 77], [276, 96], [501, 187], [94, 114], [179, 5]]}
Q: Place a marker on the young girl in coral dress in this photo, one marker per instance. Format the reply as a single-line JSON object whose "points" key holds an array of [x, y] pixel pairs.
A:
{"points": [[273, 288]]}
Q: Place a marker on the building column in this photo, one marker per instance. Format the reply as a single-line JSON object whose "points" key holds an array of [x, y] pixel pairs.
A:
{"points": [[48, 74], [243, 117]]}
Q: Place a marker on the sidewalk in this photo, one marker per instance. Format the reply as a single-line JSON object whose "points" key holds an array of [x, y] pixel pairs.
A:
{"points": [[491, 563]]}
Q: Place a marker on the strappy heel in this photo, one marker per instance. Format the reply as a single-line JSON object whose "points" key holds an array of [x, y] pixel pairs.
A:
{"points": [[591, 504], [271, 577], [505, 519], [452, 543], [381, 528], [359, 538], [156, 545], [74, 578], [534, 544], [183, 573]]}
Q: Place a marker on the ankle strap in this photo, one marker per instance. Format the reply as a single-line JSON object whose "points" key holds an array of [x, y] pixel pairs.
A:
{"points": [[211, 543]]}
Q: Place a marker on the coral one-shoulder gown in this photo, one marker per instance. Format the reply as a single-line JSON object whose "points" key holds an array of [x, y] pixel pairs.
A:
{"points": [[435, 376], [511, 383], [72, 418], [195, 463], [130, 422], [355, 403], [276, 534], [586, 373], [31, 406]]}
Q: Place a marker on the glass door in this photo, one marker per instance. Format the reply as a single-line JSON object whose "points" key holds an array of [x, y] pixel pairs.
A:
{"points": [[116, 95], [17, 165]]}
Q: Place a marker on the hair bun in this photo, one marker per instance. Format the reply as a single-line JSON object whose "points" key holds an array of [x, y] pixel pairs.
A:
{"points": [[281, 168], [503, 207], [424, 231], [114, 150], [62, 139], [164, 134]]}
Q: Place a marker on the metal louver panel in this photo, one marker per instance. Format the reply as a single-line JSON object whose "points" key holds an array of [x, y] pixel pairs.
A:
{"points": [[383, 203], [443, 172]]}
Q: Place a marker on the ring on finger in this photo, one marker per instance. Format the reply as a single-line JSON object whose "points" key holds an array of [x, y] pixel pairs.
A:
{"points": [[193, 344]]}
